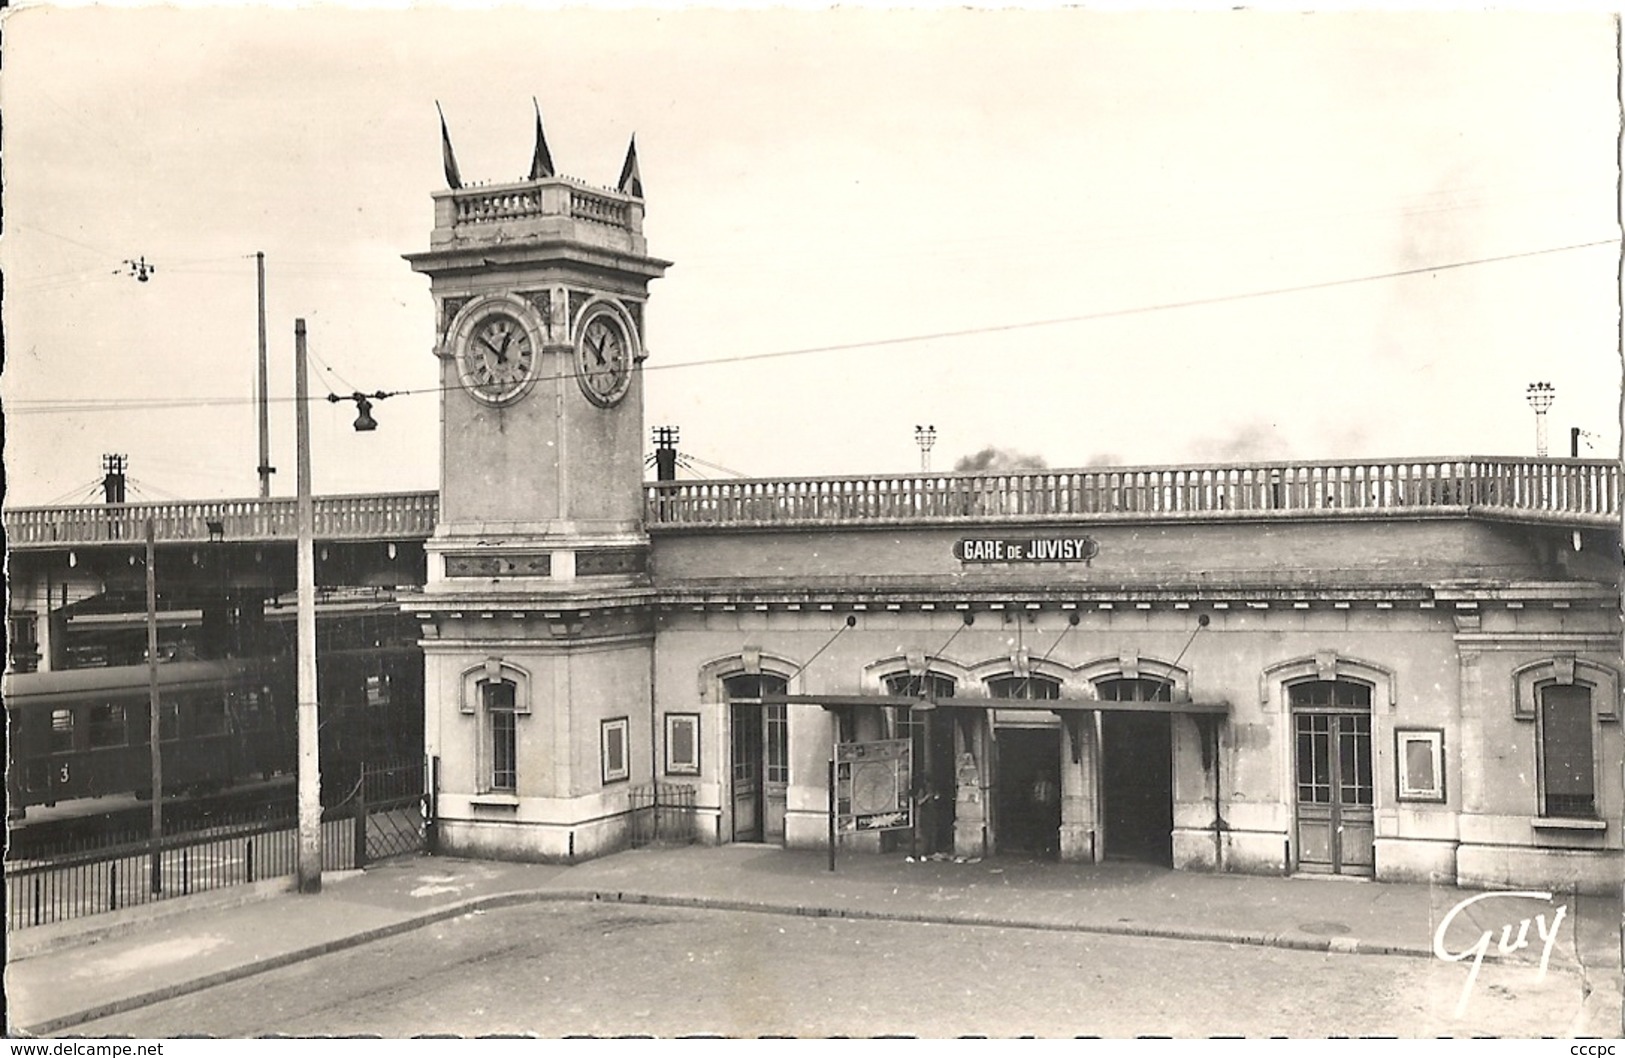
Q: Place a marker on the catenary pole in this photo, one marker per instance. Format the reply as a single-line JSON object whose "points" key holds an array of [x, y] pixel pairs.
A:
{"points": [[310, 782], [265, 468], [155, 716]]}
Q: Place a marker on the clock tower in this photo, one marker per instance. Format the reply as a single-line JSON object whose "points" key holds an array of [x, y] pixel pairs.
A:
{"points": [[537, 631]]}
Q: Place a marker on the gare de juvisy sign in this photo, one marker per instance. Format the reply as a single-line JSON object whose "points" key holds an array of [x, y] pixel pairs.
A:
{"points": [[1049, 548]]}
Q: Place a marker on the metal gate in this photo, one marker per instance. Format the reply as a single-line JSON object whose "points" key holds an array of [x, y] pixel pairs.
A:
{"points": [[662, 814], [387, 811]]}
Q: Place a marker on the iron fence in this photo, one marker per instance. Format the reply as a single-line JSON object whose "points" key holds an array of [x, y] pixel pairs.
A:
{"points": [[60, 888], [662, 814], [379, 815]]}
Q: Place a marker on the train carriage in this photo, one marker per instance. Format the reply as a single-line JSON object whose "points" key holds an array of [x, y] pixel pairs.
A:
{"points": [[86, 732]]}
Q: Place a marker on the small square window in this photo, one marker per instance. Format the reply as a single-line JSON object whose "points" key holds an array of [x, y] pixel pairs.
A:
{"points": [[613, 743], [1419, 764]]}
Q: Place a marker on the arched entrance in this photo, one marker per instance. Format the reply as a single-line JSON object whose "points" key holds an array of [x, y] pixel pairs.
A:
{"points": [[759, 765], [1137, 771], [1331, 733]]}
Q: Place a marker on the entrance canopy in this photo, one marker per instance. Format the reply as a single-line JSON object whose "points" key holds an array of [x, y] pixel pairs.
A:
{"points": [[1046, 705]]}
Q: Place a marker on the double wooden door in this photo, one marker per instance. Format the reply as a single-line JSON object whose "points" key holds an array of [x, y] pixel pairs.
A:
{"points": [[1334, 792]]}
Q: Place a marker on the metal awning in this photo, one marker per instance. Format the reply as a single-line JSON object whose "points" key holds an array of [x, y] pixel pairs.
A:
{"points": [[1044, 705]]}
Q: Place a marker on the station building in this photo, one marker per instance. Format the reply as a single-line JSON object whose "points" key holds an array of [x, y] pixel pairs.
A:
{"points": [[1400, 669]]}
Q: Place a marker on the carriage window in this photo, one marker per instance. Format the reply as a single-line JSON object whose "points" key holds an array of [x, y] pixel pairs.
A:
{"points": [[169, 718], [248, 708], [210, 717], [377, 691], [61, 730], [106, 726]]}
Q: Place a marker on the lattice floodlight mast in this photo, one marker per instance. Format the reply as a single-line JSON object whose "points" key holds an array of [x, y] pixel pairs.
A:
{"points": [[1540, 396], [925, 437]]}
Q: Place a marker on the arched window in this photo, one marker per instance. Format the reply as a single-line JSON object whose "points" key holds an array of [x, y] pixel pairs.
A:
{"points": [[497, 693], [908, 723], [913, 685], [1141, 689], [1332, 725], [1566, 697], [1025, 688]]}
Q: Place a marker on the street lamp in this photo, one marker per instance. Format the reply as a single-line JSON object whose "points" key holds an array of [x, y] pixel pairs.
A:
{"points": [[925, 437], [364, 422], [310, 775], [1540, 396]]}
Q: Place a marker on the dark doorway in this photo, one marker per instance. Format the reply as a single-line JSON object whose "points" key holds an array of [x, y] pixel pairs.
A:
{"points": [[1029, 792], [747, 772], [1138, 785], [938, 815]]}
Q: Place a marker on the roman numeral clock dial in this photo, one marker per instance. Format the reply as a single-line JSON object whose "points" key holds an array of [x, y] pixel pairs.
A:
{"points": [[497, 358], [605, 354]]}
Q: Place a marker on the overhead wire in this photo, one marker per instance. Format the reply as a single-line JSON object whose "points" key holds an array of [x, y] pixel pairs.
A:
{"points": [[124, 404]]}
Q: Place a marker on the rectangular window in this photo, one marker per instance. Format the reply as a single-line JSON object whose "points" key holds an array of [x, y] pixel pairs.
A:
{"points": [[747, 744], [682, 743], [106, 725], [1419, 764], [776, 743], [1354, 759], [1314, 758], [210, 717], [1567, 766], [61, 730], [614, 733], [498, 701], [169, 721]]}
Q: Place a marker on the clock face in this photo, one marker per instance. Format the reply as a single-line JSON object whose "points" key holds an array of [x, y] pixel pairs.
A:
{"points": [[497, 360], [604, 359]]}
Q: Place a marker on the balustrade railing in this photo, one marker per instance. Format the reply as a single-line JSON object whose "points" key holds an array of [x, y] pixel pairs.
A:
{"points": [[1579, 491], [385, 516], [476, 206], [601, 208], [482, 205]]}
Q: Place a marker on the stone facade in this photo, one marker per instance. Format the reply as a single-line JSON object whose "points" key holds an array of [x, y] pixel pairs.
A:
{"points": [[1387, 671]]}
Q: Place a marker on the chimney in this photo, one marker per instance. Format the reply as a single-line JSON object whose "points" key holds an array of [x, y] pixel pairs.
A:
{"points": [[113, 481], [665, 439]]}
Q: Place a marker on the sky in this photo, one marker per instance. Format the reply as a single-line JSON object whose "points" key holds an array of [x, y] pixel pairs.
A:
{"points": [[1076, 236]]}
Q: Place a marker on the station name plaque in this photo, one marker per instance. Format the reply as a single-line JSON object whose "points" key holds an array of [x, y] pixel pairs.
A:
{"points": [[1026, 549]]}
